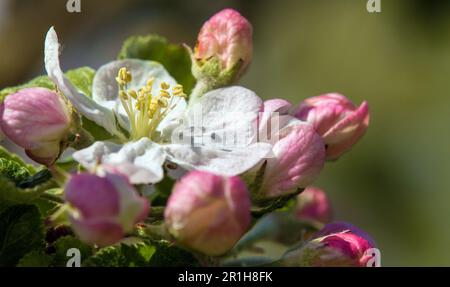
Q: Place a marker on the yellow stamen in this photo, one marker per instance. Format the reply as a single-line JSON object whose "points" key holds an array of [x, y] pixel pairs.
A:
{"points": [[150, 82], [145, 110], [165, 86], [133, 94], [164, 94], [162, 102], [178, 91]]}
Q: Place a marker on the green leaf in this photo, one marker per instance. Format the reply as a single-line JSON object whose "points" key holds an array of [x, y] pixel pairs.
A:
{"points": [[122, 255], [168, 254], [175, 58], [46, 207], [13, 167], [5, 154], [10, 194], [36, 179], [13, 170], [21, 231], [65, 243], [82, 79], [36, 258], [143, 254], [98, 132]]}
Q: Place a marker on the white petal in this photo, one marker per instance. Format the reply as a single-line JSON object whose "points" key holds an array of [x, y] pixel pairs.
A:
{"points": [[86, 106], [224, 118], [228, 163], [105, 90], [141, 161], [219, 133]]}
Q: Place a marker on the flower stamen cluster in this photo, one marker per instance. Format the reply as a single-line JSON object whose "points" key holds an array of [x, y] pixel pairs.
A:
{"points": [[144, 108]]}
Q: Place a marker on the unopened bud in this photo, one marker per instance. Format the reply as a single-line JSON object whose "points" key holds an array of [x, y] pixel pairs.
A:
{"points": [[207, 212], [38, 120]]}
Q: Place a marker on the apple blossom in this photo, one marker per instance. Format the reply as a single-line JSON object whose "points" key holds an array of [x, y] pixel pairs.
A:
{"points": [[104, 208], [298, 152], [222, 53], [337, 244], [38, 120], [207, 212], [143, 129], [228, 36], [313, 204], [340, 123]]}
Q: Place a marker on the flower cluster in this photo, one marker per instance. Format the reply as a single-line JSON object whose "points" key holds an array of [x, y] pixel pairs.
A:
{"points": [[228, 156]]}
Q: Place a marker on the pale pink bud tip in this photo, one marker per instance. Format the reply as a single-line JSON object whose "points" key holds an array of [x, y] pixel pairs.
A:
{"points": [[38, 120], [207, 212], [313, 204], [227, 35], [340, 123], [341, 244], [104, 208]]}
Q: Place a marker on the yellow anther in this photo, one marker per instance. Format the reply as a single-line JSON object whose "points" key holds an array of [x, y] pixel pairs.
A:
{"points": [[165, 86], [124, 75], [120, 81], [141, 93], [140, 102], [163, 102], [128, 77], [144, 109], [178, 87], [164, 94], [123, 95], [133, 94], [153, 107], [178, 91]]}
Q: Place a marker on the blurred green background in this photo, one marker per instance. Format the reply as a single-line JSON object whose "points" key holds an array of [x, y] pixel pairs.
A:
{"points": [[395, 183]]}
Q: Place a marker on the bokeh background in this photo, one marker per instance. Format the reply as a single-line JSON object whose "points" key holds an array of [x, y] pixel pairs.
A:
{"points": [[395, 183]]}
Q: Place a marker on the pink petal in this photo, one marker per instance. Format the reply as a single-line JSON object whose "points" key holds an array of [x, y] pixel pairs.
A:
{"points": [[299, 158], [100, 232], [94, 196]]}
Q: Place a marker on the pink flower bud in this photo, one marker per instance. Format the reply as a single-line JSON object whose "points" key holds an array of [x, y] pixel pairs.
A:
{"points": [[337, 244], [340, 123], [105, 208], [207, 212], [228, 36], [299, 158], [313, 204], [37, 120]]}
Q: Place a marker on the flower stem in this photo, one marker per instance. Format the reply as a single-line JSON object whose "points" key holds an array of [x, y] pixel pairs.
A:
{"points": [[200, 88]]}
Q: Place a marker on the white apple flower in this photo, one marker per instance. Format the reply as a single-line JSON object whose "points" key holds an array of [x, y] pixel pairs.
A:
{"points": [[150, 123]]}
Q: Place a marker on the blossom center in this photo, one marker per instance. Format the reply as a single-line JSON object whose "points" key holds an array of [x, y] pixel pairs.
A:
{"points": [[146, 109]]}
